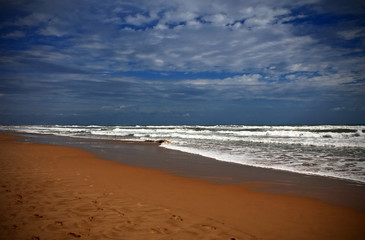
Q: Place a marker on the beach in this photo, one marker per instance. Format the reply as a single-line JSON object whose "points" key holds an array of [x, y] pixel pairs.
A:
{"points": [[63, 192]]}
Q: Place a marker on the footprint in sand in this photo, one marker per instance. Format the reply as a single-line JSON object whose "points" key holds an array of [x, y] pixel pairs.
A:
{"points": [[209, 227], [98, 209], [140, 205], [74, 234], [52, 226], [32, 207], [6, 190], [120, 214], [18, 200], [176, 218], [159, 230], [58, 223]]}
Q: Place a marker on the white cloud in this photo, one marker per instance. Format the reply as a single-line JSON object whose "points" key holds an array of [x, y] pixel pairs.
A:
{"points": [[52, 31], [159, 62], [250, 79], [298, 67], [352, 34], [140, 19], [114, 108], [54, 27], [339, 109], [237, 81], [33, 19], [218, 19], [15, 34], [193, 36]]}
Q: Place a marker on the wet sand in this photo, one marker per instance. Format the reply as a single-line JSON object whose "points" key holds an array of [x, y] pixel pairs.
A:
{"points": [[149, 155], [59, 192]]}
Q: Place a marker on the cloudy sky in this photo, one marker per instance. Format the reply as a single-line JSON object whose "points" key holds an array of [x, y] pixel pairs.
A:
{"points": [[182, 62]]}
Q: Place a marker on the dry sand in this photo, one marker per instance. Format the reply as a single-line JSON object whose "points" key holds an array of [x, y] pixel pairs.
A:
{"points": [[56, 192]]}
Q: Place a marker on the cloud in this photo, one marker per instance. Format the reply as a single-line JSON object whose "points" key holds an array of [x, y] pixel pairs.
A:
{"points": [[187, 36], [143, 51], [15, 34], [141, 19], [352, 34], [339, 109], [52, 31], [32, 20], [113, 108]]}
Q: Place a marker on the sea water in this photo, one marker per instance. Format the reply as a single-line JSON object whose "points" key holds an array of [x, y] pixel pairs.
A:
{"points": [[326, 150]]}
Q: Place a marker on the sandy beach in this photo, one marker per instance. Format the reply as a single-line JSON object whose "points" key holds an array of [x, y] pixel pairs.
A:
{"points": [[58, 192]]}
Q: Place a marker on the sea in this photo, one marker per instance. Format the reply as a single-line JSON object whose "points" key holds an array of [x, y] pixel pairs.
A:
{"points": [[336, 151]]}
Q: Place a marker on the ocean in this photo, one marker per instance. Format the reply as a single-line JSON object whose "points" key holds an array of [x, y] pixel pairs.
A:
{"points": [[326, 150]]}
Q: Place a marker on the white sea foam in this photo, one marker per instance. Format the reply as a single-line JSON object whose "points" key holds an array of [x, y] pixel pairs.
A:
{"points": [[336, 151]]}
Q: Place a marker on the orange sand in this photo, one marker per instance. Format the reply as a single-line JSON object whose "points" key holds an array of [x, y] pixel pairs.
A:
{"points": [[55, 192]]}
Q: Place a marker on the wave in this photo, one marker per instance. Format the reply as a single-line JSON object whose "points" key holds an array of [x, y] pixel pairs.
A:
{"points": [[336, 151], [341, 136]]}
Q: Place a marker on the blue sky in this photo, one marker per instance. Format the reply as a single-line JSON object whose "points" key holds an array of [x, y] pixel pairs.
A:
{"points": [[182, 62]]}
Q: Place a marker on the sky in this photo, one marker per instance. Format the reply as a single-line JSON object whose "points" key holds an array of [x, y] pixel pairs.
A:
{"points": [[163, 62]]}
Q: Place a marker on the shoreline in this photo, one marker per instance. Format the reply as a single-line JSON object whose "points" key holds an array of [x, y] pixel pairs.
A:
{"points": [[149, 155], [58, 192], [321, 150], [52, 138]]}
